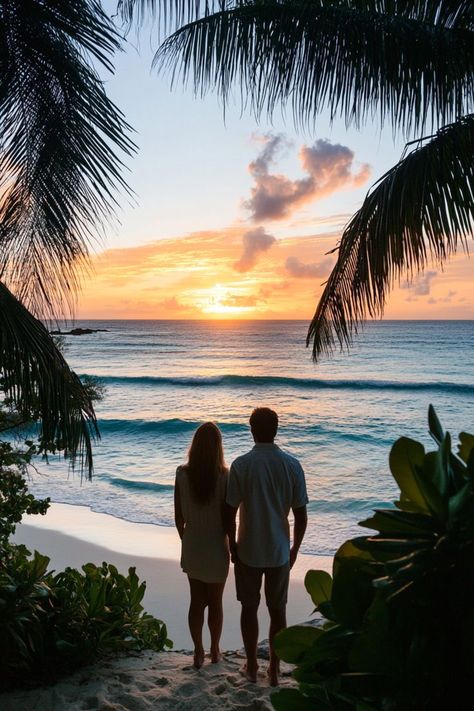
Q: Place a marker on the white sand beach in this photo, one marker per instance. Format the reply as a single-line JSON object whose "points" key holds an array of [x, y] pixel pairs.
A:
{"points": [[72, 536]]}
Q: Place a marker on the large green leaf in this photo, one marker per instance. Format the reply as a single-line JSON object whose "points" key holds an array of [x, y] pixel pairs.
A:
{"points": [[389, 521], [466, 445], [293, 700], [352, 590], [371, 649], [292, 643], [348, 550], [461, 505], [319, 585], [405, 455], [434, 425]]}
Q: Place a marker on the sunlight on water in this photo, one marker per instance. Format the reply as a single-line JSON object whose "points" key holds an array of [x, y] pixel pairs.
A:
{"points": [[340, 418]]}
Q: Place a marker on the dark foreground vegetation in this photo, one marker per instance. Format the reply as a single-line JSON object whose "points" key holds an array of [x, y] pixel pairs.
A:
{"points": [[51, 623], [398, 633]]}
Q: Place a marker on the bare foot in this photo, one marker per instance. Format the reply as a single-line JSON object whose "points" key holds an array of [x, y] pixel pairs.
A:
{"points": [[198, 659], [272, 673], [249, 674], [216, 655]]}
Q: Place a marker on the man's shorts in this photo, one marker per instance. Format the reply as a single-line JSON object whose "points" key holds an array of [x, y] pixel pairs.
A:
{"points": [[248, 581]]}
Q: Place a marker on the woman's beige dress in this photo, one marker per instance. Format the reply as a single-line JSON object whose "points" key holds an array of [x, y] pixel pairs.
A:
{"points": [[205, 546]]}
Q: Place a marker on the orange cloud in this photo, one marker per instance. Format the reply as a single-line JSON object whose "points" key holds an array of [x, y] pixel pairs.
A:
{"points": [[194, 277]]}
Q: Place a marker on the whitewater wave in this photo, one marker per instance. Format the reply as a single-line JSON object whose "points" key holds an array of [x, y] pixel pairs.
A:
{"points": [[137, 484], [275, 381], [171, 426]]}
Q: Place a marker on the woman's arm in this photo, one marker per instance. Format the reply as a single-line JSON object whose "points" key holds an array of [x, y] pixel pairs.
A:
{"points": [[178, 511]]}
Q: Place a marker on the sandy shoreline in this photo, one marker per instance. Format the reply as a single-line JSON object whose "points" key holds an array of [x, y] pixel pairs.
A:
{"points": [[148, 681], [70, 535], [74, 535]]}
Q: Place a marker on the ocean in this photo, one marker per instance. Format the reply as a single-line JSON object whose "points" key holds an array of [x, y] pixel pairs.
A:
{"points": [[339, 417]]}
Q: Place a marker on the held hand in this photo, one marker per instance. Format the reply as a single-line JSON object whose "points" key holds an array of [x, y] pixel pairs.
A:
{"points": [[233, 553], [293, 554]]}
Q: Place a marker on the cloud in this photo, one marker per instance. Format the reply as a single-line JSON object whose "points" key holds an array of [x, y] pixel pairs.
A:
{"points": [[328, 167], [255, 242], [172, 304], [298, 269], [444, 300], [421, 285]]}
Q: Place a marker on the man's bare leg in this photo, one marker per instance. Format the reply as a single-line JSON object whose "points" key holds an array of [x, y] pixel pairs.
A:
{"points": [[277, 623], [249, 628]]}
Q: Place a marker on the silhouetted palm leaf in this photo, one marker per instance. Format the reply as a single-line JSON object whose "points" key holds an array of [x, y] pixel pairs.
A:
{"points": [[42, 386], [59, 172], [356, 59], [418, 212], [409, 62], [59, 135]]}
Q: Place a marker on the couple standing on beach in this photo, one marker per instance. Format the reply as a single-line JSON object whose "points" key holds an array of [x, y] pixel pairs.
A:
{"points": [[263, 485]]}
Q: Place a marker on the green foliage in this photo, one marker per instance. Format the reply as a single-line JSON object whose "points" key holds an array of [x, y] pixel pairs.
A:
{"points": [[399, 629], [51, 623], [14, 497]]}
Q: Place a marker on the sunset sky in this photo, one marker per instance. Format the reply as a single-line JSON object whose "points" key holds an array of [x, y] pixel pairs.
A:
{"points": [[233, 219]]}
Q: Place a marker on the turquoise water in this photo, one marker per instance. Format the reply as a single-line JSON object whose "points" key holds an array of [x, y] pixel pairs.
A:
{"points": [[340, 417]]}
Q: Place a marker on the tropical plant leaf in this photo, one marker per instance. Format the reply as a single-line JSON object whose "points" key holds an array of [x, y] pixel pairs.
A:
{"points": [[418, 212], [319, 585], [293, 700], [390, 521], [404, 456], [434, 425], [61, 136], [41, 385], [466, 445], [292, 643]]}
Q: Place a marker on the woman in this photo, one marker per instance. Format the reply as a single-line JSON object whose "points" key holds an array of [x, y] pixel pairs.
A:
{"points": [[199, 498]]}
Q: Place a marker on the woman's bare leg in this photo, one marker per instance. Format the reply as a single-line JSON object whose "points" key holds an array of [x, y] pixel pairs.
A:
{"points": [[197, 606], [215, 618]]}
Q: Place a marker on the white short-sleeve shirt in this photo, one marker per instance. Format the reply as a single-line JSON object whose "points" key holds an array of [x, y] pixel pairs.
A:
{"points": [[265, 483]]}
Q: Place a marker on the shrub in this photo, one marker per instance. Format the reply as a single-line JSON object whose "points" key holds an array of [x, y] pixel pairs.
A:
{"points": [[399, 630], [51, 623]]}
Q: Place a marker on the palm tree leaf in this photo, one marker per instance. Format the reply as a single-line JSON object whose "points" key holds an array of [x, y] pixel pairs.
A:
{"points": [[60, 139], [412, 66], [420, 211], [41, 385]]}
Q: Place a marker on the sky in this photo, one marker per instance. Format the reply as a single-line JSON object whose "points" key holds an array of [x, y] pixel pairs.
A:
{"points": [[234, 219]]}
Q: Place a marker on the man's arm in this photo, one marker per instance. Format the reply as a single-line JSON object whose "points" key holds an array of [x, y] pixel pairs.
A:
{"points": [[230, 513], [299, 528]]}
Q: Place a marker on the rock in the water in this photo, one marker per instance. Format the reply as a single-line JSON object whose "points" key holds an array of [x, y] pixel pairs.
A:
{"points": [[78, 331]]}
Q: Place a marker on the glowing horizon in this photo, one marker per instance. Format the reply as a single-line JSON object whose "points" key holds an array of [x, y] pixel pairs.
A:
{"points": [[200, 276]]}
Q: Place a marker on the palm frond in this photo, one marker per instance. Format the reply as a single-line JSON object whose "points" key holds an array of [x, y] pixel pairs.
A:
{"points": [[168, 14], [420, 211], [351, 58], [60, 140], [42, 386]]}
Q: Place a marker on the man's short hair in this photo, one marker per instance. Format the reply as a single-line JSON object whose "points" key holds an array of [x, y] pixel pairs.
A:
{"points": [[264, 424]]}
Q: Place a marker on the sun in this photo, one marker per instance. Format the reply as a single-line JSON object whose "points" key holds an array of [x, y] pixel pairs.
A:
{"points": [[215, 302]]}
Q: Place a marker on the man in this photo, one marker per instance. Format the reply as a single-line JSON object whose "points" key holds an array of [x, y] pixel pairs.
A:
{"points": [[265, 484]]}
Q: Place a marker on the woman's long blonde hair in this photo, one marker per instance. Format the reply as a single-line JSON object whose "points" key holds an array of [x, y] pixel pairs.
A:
{"points": [[205, 461]]}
